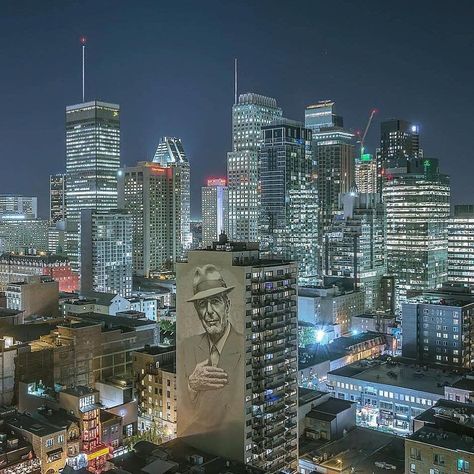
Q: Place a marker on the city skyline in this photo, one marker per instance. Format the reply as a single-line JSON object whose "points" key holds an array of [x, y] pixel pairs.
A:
{"points": [[136, 68]]}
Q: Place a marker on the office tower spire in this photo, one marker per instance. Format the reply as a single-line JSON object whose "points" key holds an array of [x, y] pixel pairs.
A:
{"points": [[83, 42]]}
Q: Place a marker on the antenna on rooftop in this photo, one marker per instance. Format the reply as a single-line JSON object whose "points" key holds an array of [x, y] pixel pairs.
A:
{"points": [[235, 80], [83, 42]]}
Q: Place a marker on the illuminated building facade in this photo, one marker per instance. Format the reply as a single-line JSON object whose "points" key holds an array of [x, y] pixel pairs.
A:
{"points": [[13, 206], [354, 246], [170, 154], [252, 418], [417, 210], [334, 155], [366, 174], [322, 115], [147, 193], [106, 251], [84, 404], [461, 245], [437, 327], [288, 226], [215, 212], [390, 393], [57, 197], [92, 162], [14, 268], [399, 143], [249, 115], [24, 235], [154, 370]]}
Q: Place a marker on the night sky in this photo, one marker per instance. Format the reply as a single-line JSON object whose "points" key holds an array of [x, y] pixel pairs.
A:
{"points": [[169, 64]]}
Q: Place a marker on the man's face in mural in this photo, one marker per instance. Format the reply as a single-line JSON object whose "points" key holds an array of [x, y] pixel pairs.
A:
{"points": [[214, 314]]}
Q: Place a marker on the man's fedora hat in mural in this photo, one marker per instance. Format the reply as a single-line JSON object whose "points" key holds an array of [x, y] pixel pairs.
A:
{"points": [[208, 282]]}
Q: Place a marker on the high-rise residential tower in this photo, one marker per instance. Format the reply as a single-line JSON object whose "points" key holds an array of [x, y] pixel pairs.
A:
{"points": [[215, 210], [354, 246], [106, 251], [170, 154], [417, 207], [249, 115], [147, 193], [288, 217], [334, 154], [57, 197], [461, 245], [236, 355], [92, 162]]}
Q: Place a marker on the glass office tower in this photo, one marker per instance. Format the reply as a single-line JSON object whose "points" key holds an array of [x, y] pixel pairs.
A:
{"points": [[92, 163], [288, 217], [417, 210], [249, 115]]}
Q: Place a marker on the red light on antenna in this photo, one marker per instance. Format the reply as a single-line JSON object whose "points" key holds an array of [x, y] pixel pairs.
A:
{"points": [[83, 40], [375, 111]]}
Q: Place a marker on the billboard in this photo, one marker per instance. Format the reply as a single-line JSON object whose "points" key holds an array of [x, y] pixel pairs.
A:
{"points": [[210, 356]]}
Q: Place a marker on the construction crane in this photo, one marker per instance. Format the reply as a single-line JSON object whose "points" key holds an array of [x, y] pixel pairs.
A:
{"points": [[369, 122]]}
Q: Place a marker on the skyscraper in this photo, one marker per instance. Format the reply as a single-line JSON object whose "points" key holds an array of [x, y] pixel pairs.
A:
{"points": [[461, 245], [215, 210], [57, 197], [170, 154], [417, 207], [106, 251], [399, 143], [249, 115], [288, 225], [322, 115], [92, 162], [236, 355], [366, 174], [147, 192], [334, 154], [354, 246], [14, 206]]}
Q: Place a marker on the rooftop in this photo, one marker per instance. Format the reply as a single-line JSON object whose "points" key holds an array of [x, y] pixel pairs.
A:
{"points": [[340, 347], [176, 456], [156, 350], [79, 391], [362, 449], [27, 332], [104, 299], [46, 259], [111, 322], [449, 416], [32, 425], [306, 395], [399, 373], [332, 406], [466, 383], [443, 439], [6, 313]]}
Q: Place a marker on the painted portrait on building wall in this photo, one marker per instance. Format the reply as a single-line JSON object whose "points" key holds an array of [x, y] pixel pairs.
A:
{"points": [[211, 358]]}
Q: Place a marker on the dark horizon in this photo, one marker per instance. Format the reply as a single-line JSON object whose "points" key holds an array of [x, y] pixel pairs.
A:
{"points": [[170, 67]]}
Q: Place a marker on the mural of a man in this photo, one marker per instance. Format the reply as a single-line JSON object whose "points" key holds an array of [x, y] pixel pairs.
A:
{"points": [[213, 358]]}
